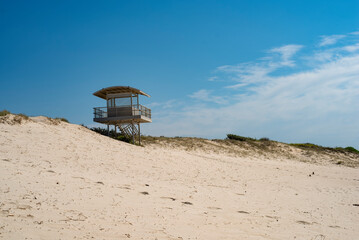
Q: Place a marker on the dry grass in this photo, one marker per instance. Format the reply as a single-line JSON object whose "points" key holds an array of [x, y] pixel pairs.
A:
{"points": [[12, 119], [7, 117], [62, 119]]}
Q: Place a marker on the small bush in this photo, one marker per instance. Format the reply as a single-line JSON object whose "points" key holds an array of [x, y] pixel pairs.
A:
{"points": [[239, 138], [311, 146], [264, 139], [101, 131], [306, 145], [123, 138], [111, 134], [62, 119], [351, 149], [4, 112]]}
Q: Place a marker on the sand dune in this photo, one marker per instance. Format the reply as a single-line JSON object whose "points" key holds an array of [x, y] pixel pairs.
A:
{"points": [[63, 181]]}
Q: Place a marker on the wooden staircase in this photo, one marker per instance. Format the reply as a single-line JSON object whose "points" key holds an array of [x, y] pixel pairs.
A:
{"points": [[129, 130]]}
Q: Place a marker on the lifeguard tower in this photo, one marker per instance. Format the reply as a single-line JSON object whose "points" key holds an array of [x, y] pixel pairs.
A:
{"points": [[123, 110]]}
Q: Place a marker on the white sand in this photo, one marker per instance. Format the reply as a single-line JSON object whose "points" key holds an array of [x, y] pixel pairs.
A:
{"points": [[66, 182]]}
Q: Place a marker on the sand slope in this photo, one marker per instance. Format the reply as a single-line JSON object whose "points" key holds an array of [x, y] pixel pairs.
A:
{"points": [[62, 181]]}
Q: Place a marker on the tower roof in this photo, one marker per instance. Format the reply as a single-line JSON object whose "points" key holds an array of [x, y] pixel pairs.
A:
{"points": [[118, 89]]}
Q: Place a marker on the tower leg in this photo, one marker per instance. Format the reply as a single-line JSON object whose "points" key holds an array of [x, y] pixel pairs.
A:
{"points": [[139, 134], [133, 132], [108, 130]]}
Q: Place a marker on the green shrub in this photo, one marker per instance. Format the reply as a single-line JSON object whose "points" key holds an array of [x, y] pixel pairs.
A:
{"points": [[4, 112], [101, 131], [123, 138], [239, 138], [111, 134], [351, 149], [306, 145], [264, 139], [312, 146]]}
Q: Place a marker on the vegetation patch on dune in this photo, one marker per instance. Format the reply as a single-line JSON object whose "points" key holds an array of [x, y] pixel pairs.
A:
{"points": [[112, 134], [4, 113], [305, 146], [239, 138], [62, 119], [244, 139], [351, 149], [239, 146], [10, 118], [319, 148]]}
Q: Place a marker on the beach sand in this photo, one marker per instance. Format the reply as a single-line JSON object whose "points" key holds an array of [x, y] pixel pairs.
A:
{"points": [[63, 181]]}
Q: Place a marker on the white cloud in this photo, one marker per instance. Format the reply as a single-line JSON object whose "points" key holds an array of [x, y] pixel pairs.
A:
{"points": [[212, 79], [247, 74], [351, 48], [205, 95], [287, 53], [305, 104], [330, 40], [164, 105], [323, 56]]}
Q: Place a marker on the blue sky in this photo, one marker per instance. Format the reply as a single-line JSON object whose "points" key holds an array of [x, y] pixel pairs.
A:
{"points": [[287, 70]]}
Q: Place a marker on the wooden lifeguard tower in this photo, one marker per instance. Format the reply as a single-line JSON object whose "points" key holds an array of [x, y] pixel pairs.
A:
{"points": [[123, 110]]}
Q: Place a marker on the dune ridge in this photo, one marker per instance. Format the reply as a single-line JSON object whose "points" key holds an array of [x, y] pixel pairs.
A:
{"points": [[63, 181]]}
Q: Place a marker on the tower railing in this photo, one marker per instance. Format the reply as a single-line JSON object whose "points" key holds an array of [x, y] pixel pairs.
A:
{"points": [[122, 111]]}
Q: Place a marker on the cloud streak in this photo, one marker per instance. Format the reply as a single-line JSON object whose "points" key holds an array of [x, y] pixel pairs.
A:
{"points": [[330, 40], [205, 95], [287, 52]]}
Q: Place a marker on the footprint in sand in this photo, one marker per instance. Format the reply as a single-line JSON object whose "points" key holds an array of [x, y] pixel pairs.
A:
{"points": [[24, 207], [171, 198], [304, 222], [4, 212], [273, 217], [244, 212], [214, 208]]}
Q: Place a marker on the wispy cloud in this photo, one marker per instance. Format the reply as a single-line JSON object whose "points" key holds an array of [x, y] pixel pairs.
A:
{"points": [[351, 48], [213, 79], [330, 40], [165, 105], [287, 52], [322, 56], [280, 96], [205, 95]]}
